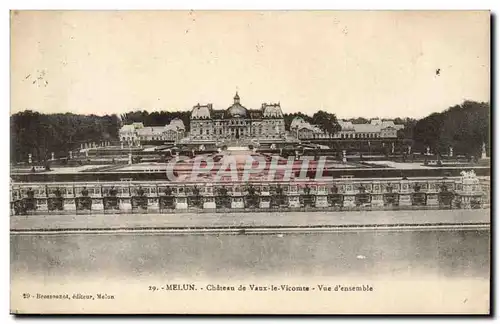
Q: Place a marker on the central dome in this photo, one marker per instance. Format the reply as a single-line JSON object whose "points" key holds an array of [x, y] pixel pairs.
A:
{"points": [[236, 110]]}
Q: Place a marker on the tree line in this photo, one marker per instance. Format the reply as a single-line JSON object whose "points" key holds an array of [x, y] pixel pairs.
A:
{"points": [[41, 134], [464, 127]]}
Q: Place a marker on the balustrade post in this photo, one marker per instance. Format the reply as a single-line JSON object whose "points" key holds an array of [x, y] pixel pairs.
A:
{"points": [[293, 197], [349, 195], [208, 197], [153, 204], [471, 193], [404, 193], [209, 202], [432, 195], [377, 194], [42, 204], [181, 203], [237, 198], [125, 204], [97, 204], [265, 197], [69, 204], [181, 199], [321, 200]]}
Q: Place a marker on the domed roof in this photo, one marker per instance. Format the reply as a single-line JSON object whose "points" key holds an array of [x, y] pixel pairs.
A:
{"points": [[175, 124], [236, 110], [296, 122]]}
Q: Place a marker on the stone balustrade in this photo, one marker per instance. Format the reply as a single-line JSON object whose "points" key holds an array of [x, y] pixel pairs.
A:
{"points": [[467, 191]]}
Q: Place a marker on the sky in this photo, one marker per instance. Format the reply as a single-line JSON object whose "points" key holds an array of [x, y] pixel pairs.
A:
{"points": [[351, 63]]}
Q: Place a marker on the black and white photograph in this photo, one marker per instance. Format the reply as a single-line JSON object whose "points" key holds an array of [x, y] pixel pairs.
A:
{"points": [[250, 162]]}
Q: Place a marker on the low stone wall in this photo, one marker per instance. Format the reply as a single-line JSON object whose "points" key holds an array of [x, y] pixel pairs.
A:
{"points": [[466, 192]]}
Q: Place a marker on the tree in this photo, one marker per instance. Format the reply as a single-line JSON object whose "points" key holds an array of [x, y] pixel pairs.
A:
{"points": [[359, 120], [409, 126], [427, 130], [326, 121]]}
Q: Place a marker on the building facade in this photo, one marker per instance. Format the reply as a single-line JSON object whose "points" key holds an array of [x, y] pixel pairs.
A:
{"points": [[381, 129], [136, 132], [237, 123]]}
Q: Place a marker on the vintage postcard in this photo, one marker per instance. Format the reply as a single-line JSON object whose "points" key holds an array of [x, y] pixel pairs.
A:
{"points": [[250, 162]]}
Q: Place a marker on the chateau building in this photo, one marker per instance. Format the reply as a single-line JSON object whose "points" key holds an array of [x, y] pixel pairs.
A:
{"points": [[237, 122], [137, 132], [375, 129]]}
